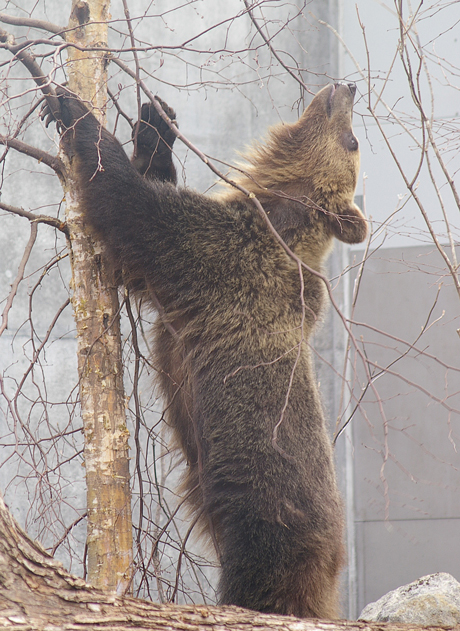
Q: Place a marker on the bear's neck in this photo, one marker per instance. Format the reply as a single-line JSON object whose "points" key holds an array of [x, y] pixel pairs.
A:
{"points": [[301, 224]]}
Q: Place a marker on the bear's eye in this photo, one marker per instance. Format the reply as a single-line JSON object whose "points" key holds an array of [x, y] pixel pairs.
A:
{"points": [[349, 141]]}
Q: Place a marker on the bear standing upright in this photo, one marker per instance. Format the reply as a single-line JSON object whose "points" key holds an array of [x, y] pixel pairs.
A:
{"points": [[232, 340]]}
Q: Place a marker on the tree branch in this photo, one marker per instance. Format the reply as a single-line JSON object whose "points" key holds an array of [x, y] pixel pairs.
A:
{"points": [[43, 25], [51, 221], [19, 276], [42, 80], [53, 162]]}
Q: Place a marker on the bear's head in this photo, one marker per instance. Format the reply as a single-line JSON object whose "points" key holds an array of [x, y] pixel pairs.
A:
{"points": [[314, 162], [327, 150], [317, 156]]}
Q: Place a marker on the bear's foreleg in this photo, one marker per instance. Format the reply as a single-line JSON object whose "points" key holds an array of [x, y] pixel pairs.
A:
{"points": [[153, 141]]}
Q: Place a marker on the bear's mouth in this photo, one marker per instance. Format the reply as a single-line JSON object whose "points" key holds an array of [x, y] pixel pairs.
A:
{"points": [[352, 88], [334, 88]]}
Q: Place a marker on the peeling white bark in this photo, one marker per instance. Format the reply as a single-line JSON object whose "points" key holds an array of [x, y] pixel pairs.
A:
{"points": [[96, 306]]}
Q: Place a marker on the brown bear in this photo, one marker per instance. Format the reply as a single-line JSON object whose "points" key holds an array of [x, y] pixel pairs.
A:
{"points": [[231, 342]]}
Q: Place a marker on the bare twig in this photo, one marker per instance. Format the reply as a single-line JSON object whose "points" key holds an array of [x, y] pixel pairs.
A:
{"points": [[19, 276], [273, 50], [138, 70], [42, 80]]}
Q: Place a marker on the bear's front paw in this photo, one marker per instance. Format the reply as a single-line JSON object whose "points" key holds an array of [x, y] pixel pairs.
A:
{"points": [[152, 129], [71, 106], [350, 225]]}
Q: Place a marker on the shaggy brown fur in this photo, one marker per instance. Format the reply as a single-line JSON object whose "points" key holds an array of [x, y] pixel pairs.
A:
{"points": [[232, 343]]}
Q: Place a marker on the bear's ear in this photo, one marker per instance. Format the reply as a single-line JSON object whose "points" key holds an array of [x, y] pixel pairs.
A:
{"points": [[348, 225]]}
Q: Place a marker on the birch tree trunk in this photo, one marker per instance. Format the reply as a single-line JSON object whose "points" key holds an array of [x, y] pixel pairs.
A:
{"points": [[96, 311]]}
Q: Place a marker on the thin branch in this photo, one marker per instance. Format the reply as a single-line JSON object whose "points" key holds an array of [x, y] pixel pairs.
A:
{"points": [[411, 346], [32, 217], [114, 100], [43, 25], [22, 122], [182, 551], [272, 49], [30, 368], [412, 190], [53, 162], [43, 81], [66, 533], [19, 276], [138, 70]]}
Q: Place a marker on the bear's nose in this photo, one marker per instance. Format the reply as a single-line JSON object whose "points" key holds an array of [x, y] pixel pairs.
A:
{"points": [[352, 88]]}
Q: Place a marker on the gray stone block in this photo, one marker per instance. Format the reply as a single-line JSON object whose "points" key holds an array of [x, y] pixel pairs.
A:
{"points": [[430, 600]]}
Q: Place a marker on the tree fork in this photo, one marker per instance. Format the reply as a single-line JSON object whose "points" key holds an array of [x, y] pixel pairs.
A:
{"points": [[96, 311]]}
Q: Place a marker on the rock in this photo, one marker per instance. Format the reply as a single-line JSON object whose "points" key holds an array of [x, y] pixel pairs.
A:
{"points": [[431, 600]]}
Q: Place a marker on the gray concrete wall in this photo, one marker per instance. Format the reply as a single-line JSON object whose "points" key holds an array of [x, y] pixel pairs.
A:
{"points": [[406, 465], [403, 458]]}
